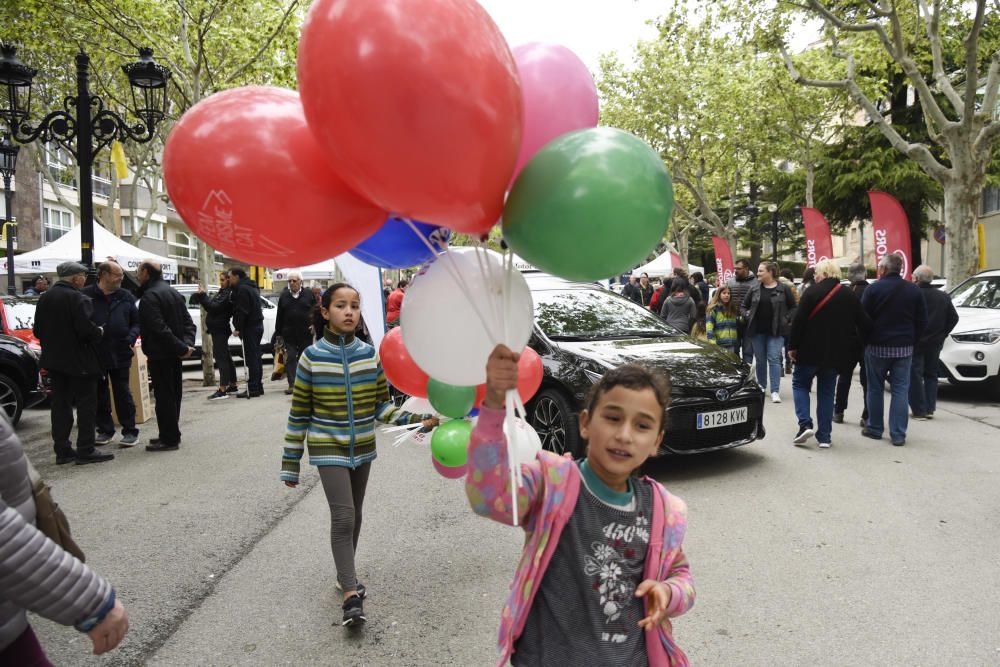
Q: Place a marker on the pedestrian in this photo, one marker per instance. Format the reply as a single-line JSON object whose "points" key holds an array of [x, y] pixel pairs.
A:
{"points": [[167, 337], [38, 576], [69, 354], [334, 411], [38, 286], [679, 308], [698, 329], [681, 274], [740, 284], [767, 306], [292, 324], [218, 313], [787, 278], [699, 281], [603, 568], [857, 274], [248, 322], [827, 315], [899, 317], [394, 304], [941, 319], [722, 320], [808, 280], [661, 293], [645, 290], [114, 309], [631, 290]]}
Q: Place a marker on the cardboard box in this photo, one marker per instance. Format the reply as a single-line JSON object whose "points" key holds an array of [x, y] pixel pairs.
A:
{"points": [[138, 384]]}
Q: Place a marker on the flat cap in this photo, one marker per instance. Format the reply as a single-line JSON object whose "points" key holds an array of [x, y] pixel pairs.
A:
{"points": [[67, 269]]}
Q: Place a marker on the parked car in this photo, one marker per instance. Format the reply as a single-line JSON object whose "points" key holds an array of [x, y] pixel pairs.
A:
{"points": [[20, 380], [971, 354], [582, 330], [270, 315], [18, 318]]}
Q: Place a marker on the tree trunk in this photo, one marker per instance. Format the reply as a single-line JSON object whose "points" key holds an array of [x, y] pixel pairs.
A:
{"points": [[962, 240], [206, 270], [810, 182]]}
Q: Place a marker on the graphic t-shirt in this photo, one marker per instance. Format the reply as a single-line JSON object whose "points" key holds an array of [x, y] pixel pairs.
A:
{"points": [[585, 611]]}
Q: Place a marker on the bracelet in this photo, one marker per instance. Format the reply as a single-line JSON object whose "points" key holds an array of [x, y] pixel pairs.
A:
{"points": [[90, 623]]}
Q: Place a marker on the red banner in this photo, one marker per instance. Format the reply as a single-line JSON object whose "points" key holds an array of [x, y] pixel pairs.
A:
{"points": [[892, 229], [675, 261], [819, 243], [724, 266]]}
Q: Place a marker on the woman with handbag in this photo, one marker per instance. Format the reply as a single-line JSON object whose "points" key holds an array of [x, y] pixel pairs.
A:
{"points": [[38, 575], [767, 306]]}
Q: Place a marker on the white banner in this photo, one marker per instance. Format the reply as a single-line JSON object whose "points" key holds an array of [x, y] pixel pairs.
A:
{"points": [[367, 280]]}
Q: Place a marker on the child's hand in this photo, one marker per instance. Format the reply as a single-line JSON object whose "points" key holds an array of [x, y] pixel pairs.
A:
{"points": [[291, 485], [659, 600], [501, 376], [430, 423]]}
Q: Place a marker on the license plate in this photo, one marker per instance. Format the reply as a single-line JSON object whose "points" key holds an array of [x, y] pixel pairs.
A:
{"points": [[722, 418]]}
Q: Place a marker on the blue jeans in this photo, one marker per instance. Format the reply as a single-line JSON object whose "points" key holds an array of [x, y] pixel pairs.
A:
{"points": [[826, 384], [924, 380], [767, 352], [898, 371]]}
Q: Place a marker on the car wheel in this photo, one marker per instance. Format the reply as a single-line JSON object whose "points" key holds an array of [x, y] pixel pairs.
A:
{"points": [[552, 418], [11, 399]]}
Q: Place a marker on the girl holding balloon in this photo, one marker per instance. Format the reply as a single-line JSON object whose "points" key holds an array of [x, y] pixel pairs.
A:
{"points": [[603, 570], [340, 391]]}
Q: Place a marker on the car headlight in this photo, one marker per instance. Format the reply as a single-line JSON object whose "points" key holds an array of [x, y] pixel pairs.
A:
{"points": [[988, 336]]}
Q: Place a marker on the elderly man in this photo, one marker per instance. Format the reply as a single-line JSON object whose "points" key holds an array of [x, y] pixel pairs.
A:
{"points": [[293, 322], [899, 316], [69, 353], [167, 338], [114, 309], [941, 319]]}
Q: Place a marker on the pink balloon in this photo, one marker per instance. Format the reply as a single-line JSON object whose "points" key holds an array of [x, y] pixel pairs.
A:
{"points": [[559, 96], [456, 472]]}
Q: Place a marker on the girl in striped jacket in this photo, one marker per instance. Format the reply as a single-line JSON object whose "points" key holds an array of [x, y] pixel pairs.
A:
{"points": [[340, 392], [722, 320]]}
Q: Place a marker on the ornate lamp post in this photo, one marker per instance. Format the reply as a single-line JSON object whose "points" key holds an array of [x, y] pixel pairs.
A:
{"points": [[84, 126], [8, 165]]}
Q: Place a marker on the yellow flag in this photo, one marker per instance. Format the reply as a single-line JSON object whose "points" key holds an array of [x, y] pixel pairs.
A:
{"points": [[118, 159]]}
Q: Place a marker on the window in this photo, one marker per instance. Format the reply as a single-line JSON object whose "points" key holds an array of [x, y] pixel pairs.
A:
{"points": [[184, 246], [55, 223], [154, 229], [61, 165], [991, 200], [101, 179]]}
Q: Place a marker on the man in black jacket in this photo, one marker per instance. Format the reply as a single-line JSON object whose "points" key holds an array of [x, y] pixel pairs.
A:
{"points": [[941, 319], [295, 307], [248, 321], [858, 275], [167, 338], [114, 309], [218, 312], [69, 354]]}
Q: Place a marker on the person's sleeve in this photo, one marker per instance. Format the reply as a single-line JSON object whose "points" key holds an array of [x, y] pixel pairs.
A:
{"points": [[678, 574], [799, 323], [84, 326], [190, 330], [487, 483], [952, 318], [133, 323], [152, 322], [921, 318], [665, 308], [299, 416], [240, 310], [710, 326], [790, 299], [745, 304], [385, 410], [279, 320]]}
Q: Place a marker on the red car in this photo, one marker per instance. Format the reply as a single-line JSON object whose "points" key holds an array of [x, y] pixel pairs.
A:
{"points": [[18, 317]]}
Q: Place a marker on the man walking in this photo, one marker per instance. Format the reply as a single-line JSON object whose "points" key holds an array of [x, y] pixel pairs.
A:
{"points": [[858, 276], [114, 309], [739, 285], [248, 320], [292, 324], [899, 316], [941, 319], [167, 337], [218, 312], [69, 354], [827, 315]]}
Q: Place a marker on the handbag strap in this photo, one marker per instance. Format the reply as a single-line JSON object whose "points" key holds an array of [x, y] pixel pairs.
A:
{"points": [[822, 303]]}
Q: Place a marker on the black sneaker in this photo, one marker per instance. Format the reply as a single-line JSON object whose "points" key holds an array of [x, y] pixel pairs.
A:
{"points": [[104, 438], [232, 389], [68, 457], [930, 415], [160, 446], [128, 440], [92, 457], [805, 432], [868, 433], [354, 612], [249, 394], [359, 589], [219, 394], [838, 417]]}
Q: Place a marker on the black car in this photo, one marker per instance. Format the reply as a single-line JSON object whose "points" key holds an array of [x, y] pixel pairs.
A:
{"points": [[582, 330], [20, 382]]}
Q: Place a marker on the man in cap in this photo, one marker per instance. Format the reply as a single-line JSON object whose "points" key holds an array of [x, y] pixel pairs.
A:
{"points": [[69, 353], [167, 333]]}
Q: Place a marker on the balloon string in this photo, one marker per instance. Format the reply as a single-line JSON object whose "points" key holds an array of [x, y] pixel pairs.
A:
{"points": [[512, 460], [486, 272]]}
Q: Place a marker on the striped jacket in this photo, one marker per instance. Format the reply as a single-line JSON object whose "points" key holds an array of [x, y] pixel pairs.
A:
{"points": [[722, 329], [340, 391]]}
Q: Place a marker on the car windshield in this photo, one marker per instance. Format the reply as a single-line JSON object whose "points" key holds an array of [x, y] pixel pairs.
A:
{"points": [[592, 314], [20, 314], [978, 293]]}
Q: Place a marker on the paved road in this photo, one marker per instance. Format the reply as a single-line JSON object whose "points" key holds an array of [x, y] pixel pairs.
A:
{"points": [[861, 554]]}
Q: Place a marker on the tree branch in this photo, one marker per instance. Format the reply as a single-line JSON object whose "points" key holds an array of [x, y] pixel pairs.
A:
{"points": [[266, 45], [987, 137], [992, 82], [832, 18], [932, 23], [972, 64]]}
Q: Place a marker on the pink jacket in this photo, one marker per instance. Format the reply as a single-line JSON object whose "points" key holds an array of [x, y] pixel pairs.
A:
{"points": [[545, 501]]}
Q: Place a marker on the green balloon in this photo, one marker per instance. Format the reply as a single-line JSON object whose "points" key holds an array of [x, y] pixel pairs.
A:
{"points": [[450, 443], [590, 204], [450, 400]]}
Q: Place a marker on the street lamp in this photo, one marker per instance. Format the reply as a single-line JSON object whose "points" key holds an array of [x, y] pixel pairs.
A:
{"points": [[773, 208], [8, 165], [84, 119]]}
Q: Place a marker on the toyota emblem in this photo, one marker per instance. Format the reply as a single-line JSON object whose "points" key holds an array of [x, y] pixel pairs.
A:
{"points": [[722, 395]]}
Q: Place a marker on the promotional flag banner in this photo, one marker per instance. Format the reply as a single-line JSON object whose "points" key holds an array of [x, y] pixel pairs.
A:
{"points": [[724, 266], [892, 229], [819, 243]]}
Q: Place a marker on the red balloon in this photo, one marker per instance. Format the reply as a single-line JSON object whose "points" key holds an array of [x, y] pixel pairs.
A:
{"points": [[248, 177], [480, 395], [418, 103], [399, 367], [529, 374]]}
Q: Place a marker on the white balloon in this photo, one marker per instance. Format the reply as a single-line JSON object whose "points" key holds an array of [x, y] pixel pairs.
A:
{"points": [[417, 406], [442, 330], [527, 440]]}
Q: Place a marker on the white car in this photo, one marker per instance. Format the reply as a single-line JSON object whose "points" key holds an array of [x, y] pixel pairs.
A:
{"points": [[971, 354], [270, 315]]}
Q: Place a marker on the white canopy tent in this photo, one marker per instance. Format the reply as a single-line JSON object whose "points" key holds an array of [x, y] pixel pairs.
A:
{"points": [[325, 270], [67, 249], [663, 266]]}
